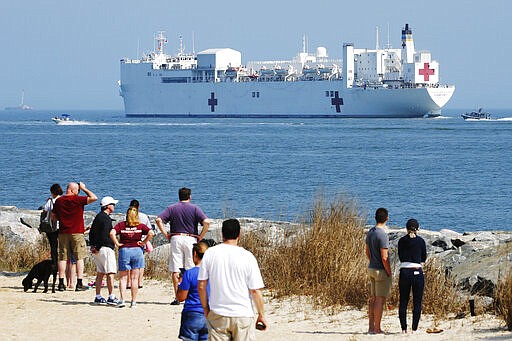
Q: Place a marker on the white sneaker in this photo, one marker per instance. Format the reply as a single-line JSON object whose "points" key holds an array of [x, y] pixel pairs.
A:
{"points": [[133, 305]]}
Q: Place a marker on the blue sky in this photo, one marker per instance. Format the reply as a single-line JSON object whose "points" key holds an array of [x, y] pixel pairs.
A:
{"points": [[65, 54]]}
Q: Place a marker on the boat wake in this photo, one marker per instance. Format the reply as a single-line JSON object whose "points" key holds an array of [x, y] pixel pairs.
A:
{"points": [[75, 123], [503, 119], [176, 124], [137, 124]]}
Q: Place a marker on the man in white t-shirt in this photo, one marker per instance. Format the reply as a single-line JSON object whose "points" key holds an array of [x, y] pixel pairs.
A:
{"points": [[235, 282]]}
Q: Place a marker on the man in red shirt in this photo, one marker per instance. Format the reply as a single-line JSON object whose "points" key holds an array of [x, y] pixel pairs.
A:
{"points": [[69, 211]]}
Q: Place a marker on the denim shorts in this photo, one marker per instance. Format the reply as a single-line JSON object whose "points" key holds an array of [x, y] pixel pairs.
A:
{"points": [[130, 258], [193, 326]]}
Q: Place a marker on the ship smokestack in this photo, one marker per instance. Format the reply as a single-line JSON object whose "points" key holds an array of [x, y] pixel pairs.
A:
{"points": [[348, 65], [407, 45]]}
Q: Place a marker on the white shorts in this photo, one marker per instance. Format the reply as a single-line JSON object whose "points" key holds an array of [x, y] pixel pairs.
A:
{"points": [[105, 260], [181, 253]]}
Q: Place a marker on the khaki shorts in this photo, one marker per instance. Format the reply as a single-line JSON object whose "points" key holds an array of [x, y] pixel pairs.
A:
{"points": [[105, 260], [72, 244], [380, 282], [223, 328]]}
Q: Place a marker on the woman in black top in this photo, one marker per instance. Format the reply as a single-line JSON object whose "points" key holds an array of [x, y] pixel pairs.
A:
{"points": [[53, 237], [412, 251]]}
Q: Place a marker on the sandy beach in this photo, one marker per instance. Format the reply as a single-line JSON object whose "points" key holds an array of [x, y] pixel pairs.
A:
{"points": [[72, 315]]}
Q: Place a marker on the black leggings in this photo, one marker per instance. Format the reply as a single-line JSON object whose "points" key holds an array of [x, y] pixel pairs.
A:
{"points": [[53, 239], [410, 279]]}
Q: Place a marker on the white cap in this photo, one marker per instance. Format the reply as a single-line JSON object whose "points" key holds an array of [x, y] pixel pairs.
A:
{"points": [[107, 201]]}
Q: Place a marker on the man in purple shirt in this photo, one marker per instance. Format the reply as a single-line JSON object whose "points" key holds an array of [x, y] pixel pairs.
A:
{"points": [[183, 218]]}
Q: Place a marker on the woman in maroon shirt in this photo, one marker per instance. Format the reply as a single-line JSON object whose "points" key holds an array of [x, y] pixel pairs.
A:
{"points": [[131, 254]]}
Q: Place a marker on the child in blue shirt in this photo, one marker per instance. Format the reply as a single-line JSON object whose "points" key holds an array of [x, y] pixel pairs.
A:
{"points": [[193, 322]]}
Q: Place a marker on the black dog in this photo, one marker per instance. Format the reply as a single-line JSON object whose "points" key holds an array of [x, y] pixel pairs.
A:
{"points": [[41, 271]]}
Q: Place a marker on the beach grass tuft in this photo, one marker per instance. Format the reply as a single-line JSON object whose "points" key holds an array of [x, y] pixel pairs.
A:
{"points": [[503, 299], [157, 268], [323, 258], [18, 257], [441, 297]]}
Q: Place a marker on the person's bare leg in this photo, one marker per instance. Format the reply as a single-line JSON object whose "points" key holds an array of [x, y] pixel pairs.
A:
{"points": [[380, 301], [62, 268], [129, 280], [110, 283], [123, 278], [141, 276], [99, 278], [70, 274], [371, 315], [175, 282], [80, 268], [135, 288]]}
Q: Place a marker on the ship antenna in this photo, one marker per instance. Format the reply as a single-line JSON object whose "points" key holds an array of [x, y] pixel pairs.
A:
{"points": [[388, 46], [22, 97], [161, 41], [138, 47], [377, 38], [193, 43], [304, 43], [181, 45]]}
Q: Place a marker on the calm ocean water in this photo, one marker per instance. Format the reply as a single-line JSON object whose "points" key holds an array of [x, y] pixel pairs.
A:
{"points": [[445, 172]]}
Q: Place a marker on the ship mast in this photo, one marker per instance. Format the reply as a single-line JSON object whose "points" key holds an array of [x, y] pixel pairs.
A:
{"points": [[377, 47], [180, 53], [193, 43], [160, 42], [388, 46]]}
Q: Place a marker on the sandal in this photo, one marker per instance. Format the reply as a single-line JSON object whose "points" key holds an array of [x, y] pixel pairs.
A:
{"points": [[434, 330]]}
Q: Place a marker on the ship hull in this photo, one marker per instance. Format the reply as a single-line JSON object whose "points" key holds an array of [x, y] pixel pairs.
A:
{"points": [[148, 97]]}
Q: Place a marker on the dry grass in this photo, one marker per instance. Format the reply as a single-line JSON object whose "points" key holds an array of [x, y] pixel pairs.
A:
{"points": [[440, 296], [503, 299], [325, 258], [21, 257], [157, 268]]}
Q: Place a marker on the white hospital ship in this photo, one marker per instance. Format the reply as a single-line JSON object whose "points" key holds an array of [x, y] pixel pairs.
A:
{"points": [[386, 82]]}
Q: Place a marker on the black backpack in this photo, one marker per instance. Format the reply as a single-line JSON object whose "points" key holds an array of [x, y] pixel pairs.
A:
{"points": [[46, 224]]}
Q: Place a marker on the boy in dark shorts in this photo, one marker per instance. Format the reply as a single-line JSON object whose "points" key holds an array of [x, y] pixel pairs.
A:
{"points": [[193, 322]]}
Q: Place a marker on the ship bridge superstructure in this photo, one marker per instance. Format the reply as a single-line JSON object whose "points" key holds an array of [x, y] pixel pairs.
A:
{"points": [[382, 68], [399, 67]]}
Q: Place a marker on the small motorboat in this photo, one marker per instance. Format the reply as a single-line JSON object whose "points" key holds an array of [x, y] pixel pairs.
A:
{"points": [[62, 119], [476, 115]]}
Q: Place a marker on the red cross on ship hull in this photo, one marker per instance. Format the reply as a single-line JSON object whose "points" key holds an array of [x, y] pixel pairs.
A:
{"points": [[426, 72]]}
